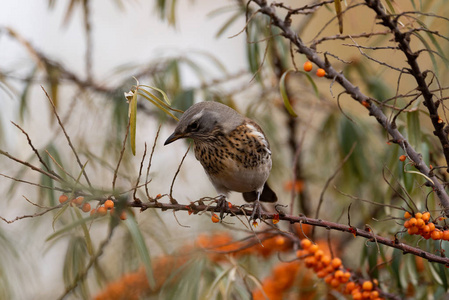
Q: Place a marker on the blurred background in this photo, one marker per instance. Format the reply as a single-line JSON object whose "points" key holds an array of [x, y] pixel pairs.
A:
{"points": [[85, 54]]}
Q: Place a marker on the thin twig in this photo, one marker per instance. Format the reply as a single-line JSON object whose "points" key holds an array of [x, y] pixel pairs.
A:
{"points": [[172, 200], [67, 137]]}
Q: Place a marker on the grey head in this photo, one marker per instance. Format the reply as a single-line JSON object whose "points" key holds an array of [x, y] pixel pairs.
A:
{"points": [[201, 119]]}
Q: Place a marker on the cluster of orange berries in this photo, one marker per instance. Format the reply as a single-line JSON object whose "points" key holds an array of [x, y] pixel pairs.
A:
{"points": [[334, 273], [420, 224], [308, 66], [86, 207]]}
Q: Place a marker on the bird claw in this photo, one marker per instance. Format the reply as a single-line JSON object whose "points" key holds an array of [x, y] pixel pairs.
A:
{"points": [[222, 204], [257, 211]]}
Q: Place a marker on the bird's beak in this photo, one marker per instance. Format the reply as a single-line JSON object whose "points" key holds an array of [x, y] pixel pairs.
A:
{"points": [[173, 138]]}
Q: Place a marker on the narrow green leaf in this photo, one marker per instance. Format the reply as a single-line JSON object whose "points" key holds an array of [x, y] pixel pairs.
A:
{"points": [[228, 23], [159, 106], [167, 100], [132, 122], [141, 247], [431, 54], [70, 226], [85, 232], [315, 88], [283, 90]]}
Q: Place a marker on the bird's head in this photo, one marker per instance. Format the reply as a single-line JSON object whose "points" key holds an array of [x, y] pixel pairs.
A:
{"points": [[203, 119]]}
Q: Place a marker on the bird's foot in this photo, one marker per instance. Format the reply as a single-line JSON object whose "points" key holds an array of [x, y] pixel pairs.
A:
{"points": [[257, 211], [223, 205]]}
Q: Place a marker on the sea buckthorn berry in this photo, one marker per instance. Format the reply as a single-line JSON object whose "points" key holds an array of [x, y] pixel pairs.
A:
{"points": [[321, 274], [350, 286], [109, 204], [63, 198], [426, 216], [313, 248], [335, 283], [93, 212], [366, 294], [357, 296], [326, 260], [413, 222], [102, 211], [413, 230], [446, 235], [319, 254], [308, 66], [301, 253], [320, 72], [215, 218], [420, 223], [431, 226], [338, 274], [407, 215], [123, 215], [365, 103], [328, 279], [374, 295], [367, 286], [310, 261], [407, 224], [418, 215], [336, 262], [426, 229], [305, 243], [436, 235], [402, 158], [86, 207]]}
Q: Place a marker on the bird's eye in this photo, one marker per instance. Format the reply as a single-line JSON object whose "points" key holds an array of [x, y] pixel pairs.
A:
{"points": [[194, 126]]}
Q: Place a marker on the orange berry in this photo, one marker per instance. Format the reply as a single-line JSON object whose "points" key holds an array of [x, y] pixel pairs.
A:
{"points": [[420, 223], [374, 295], [407, 224], [365, 103], [109, 204], [350, 286], [366, 294], [215, 218], [426, 229], [326, 260], [407, 215], [418, 215], [112, 211], [402, 158], [301, 253], [426, 216], [338, 274], [336, 262], [413, 230], [307, 66], [335, 283], [431, 226], [313, 248], [321, 274], [357, 296], [93, 212], [319, 254], [436, 235], [310, 261], [412, 222], [305, 243], [63, 198], [320, 72], [446, 235], [102, 211], [367, 286], [328, 279], [123, 215], [86, 207], [78, 200]]}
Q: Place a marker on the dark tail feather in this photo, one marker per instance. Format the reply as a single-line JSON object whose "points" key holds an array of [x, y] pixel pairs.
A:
{"points": [[267, 195]]}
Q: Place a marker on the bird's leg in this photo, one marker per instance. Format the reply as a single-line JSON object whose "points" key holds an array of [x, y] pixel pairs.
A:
{"points": [[222, 204], [257, 209]]}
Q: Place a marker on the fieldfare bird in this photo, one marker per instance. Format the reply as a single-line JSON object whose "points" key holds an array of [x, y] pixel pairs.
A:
{"points": [[233, 150]]}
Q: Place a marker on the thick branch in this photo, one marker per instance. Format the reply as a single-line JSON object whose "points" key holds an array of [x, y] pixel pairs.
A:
{"points": [[357, 95], [403, 40], [304, 220]]}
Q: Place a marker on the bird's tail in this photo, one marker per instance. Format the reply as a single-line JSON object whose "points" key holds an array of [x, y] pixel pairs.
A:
{"points": [[268, 195]]}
